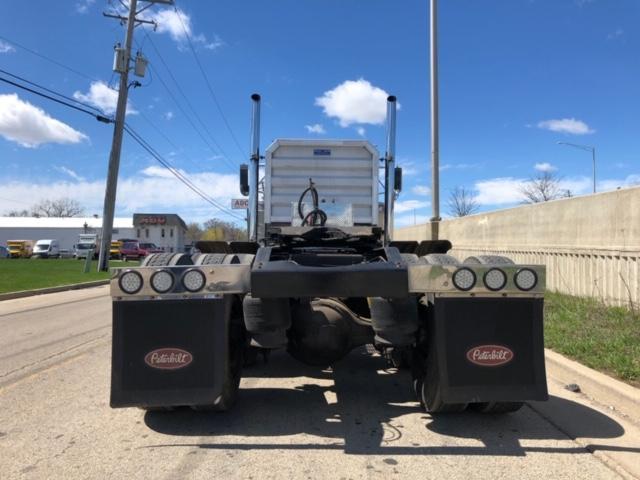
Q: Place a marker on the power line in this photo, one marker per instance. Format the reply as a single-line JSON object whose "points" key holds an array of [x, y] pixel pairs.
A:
{"points": [[100, 118], [74, 100], [48, 59], [179, 175], [225, 157], [206, 79]]}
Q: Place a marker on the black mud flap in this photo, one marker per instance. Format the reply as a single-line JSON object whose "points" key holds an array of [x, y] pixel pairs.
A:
{"points": [[489, 349], [169, 352]]}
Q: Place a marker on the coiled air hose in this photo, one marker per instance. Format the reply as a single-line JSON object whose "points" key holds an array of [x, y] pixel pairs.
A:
{"points": [[316, 217]]}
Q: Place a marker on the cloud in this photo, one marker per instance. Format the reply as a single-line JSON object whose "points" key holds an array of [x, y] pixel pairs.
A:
{"points": [[361, 131], [421, 190], [410, 219], [408, 205], [84, 5], [566, 125], [545, 167], [614, 184], [30, 126], [177, 23], [499, 191], [103, 97], [168, 115], [69, 172], [6, 48], [507, 190], [615, 34], [355, 101], [315, 128], [139, 192]]}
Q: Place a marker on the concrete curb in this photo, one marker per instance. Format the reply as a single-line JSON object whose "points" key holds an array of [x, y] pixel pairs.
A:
{"points": [[61, 288], [603, 389]]}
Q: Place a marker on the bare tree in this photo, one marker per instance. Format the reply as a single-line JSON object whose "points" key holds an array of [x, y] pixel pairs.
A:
{"points": [[18, 213], [462, 202], [62, 207], [194, 232], [542, 188]]}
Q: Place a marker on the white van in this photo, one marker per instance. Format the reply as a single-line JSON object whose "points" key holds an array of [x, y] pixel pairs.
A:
{"points": [[46, 249]]}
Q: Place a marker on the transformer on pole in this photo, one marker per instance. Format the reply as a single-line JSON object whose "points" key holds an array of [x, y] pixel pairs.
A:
{"points": [[122, 65]]}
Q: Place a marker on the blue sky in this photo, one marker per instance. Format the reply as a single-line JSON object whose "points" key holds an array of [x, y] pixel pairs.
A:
{"points": [[516, 77]]}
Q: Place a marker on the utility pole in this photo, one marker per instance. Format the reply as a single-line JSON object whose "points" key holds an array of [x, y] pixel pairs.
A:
{"points": [[122, 66], [435, 126]]}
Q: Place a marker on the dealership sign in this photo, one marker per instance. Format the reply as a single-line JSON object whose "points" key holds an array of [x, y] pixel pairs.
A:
{"points": [[153, 220], [240, 203]]}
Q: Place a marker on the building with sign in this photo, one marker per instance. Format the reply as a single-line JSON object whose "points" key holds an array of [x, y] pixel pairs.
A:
{"points": [[166, 230]]}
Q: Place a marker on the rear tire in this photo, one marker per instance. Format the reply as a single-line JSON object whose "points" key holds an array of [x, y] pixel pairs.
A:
{"points": [[428, 386], [166, 260], [497, 407], [233, 371]]}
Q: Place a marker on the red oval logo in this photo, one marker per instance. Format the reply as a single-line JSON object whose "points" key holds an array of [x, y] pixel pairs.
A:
{"points": [[490, 355], [168, 358]]}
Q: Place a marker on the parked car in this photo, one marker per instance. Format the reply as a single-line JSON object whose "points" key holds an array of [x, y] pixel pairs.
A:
{"points": [[150, 248], [46, 249], [131, 251], [4, 252]]}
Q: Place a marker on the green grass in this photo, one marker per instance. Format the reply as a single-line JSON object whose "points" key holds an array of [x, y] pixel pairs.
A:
{"points": [[27, 274], [601, 337]]}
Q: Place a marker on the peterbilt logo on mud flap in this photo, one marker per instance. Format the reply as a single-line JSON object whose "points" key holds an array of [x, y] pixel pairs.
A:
{"points": [[490, 355], [168, 358]]}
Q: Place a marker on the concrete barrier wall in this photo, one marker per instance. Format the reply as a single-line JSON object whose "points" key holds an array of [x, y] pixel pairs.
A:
{"points": [[590, 244]]}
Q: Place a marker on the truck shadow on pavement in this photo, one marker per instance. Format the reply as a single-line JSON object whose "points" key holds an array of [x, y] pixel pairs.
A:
{"points": [[362, 408]]}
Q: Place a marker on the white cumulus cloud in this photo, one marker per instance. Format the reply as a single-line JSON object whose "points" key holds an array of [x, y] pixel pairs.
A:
{"points": [[361, 131], [566, 125], [144, 191], [499, 191], [408, 205], [355, 101], [30, 126], [177, 23], [315, 128], [103, 97], [6, 48], [545, 167]]}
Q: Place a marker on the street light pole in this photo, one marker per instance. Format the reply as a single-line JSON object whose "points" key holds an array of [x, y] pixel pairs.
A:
{"points": [[435, 125], [587, 148]]}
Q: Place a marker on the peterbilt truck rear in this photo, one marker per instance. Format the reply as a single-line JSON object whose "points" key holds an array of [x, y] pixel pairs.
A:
{"points": [[319, 277]]}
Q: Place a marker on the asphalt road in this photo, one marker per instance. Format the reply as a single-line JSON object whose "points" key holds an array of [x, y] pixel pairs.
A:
{"points": [[358, 420]]}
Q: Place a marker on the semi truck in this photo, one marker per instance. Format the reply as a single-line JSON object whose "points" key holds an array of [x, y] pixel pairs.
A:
{"points": [[319, 276]]}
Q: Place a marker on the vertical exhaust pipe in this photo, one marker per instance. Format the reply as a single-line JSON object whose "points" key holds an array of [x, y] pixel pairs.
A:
{"points": [[254, 169], [389, 169]]}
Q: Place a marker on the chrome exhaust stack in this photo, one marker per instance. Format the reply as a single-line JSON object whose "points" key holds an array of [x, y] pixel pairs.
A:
{"points": [[389, 169], [254, 169]]}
